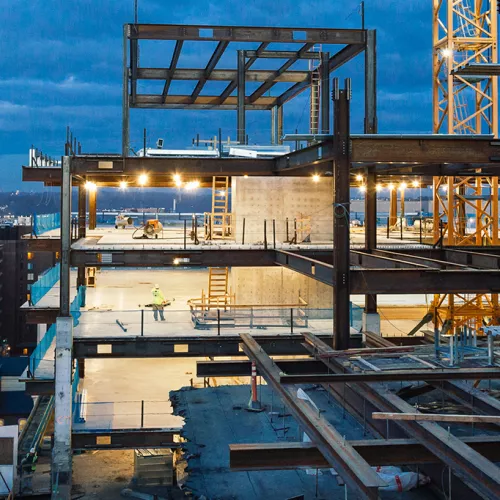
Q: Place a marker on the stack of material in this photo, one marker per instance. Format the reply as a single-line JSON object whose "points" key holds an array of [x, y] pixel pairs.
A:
{"points": [[154, 467]]}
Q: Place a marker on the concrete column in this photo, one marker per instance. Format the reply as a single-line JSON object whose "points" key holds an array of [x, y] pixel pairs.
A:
{"points": [[240, 110], [62, 453], [371, 322], [92, 208]]}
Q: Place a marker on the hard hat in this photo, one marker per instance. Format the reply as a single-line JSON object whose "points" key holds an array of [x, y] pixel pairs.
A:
{"points": [[33, 450], [157, 286]]}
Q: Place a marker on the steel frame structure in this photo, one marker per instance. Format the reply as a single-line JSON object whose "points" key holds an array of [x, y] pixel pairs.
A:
{"points": [[339, 154], [258, 39]]}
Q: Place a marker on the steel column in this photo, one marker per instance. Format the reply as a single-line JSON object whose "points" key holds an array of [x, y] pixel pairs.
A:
{"points": [[274, 125], [125, 101], [92, 208], [64, 298], [371, 82], [240, 112], [325, 92], [82, 210], [341, 179], [280, 124], [371, 228]]}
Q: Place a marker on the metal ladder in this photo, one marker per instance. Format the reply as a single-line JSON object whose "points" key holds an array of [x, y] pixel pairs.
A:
{"points": [[315, 91]]}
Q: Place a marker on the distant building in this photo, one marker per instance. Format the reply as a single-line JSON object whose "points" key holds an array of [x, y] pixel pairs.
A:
{"points": [[18, 270]]}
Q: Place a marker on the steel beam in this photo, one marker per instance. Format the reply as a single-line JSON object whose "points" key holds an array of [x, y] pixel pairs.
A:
{"points": [[221, 75], [396, 452], [212, 33], [214, 59], [213, 102], [244, 368], [173, 65], [378, 148], [282, 54], [208, 345], [101, 166], [124, 439], [341, 209], [340, 455], [394, 376]]}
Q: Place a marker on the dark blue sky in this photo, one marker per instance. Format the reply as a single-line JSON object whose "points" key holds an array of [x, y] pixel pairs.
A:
{"points": [[61, 64]]}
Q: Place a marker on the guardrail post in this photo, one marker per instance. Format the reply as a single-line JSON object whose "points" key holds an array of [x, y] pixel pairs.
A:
{"points": [[218, 321], [291, 320], [185, 232], [142, 322], [243, 236], [265, 234], [388, 228], [142, 414], [287, 235], [401, 227], [274, 233]]}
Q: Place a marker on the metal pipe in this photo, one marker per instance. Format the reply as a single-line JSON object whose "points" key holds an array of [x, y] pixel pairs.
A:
{"points": [[243, 235], [265, 234], [274, 234]]}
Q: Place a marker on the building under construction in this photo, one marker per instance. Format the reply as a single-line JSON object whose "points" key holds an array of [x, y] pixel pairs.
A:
{"points": [[361, 345]]}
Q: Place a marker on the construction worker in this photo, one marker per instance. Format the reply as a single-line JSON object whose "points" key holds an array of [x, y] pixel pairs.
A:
{"points": [[28, 468], [158, 302]]}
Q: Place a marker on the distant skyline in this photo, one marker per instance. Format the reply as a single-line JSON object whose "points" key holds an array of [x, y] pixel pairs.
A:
{"points": [[62, 65]]}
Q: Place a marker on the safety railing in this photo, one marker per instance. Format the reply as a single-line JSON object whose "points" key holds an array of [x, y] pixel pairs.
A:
{"points": [[41, 364], [37, 357], [45, 282], [109, 415], [155, 321], [46, 222]]}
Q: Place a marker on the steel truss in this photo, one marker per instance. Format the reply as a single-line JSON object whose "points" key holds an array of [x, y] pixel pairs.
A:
{"points": [[465, 101]]}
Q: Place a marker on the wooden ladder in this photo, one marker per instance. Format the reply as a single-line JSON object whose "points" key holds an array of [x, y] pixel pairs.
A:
{"points": [[218, 279]]}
